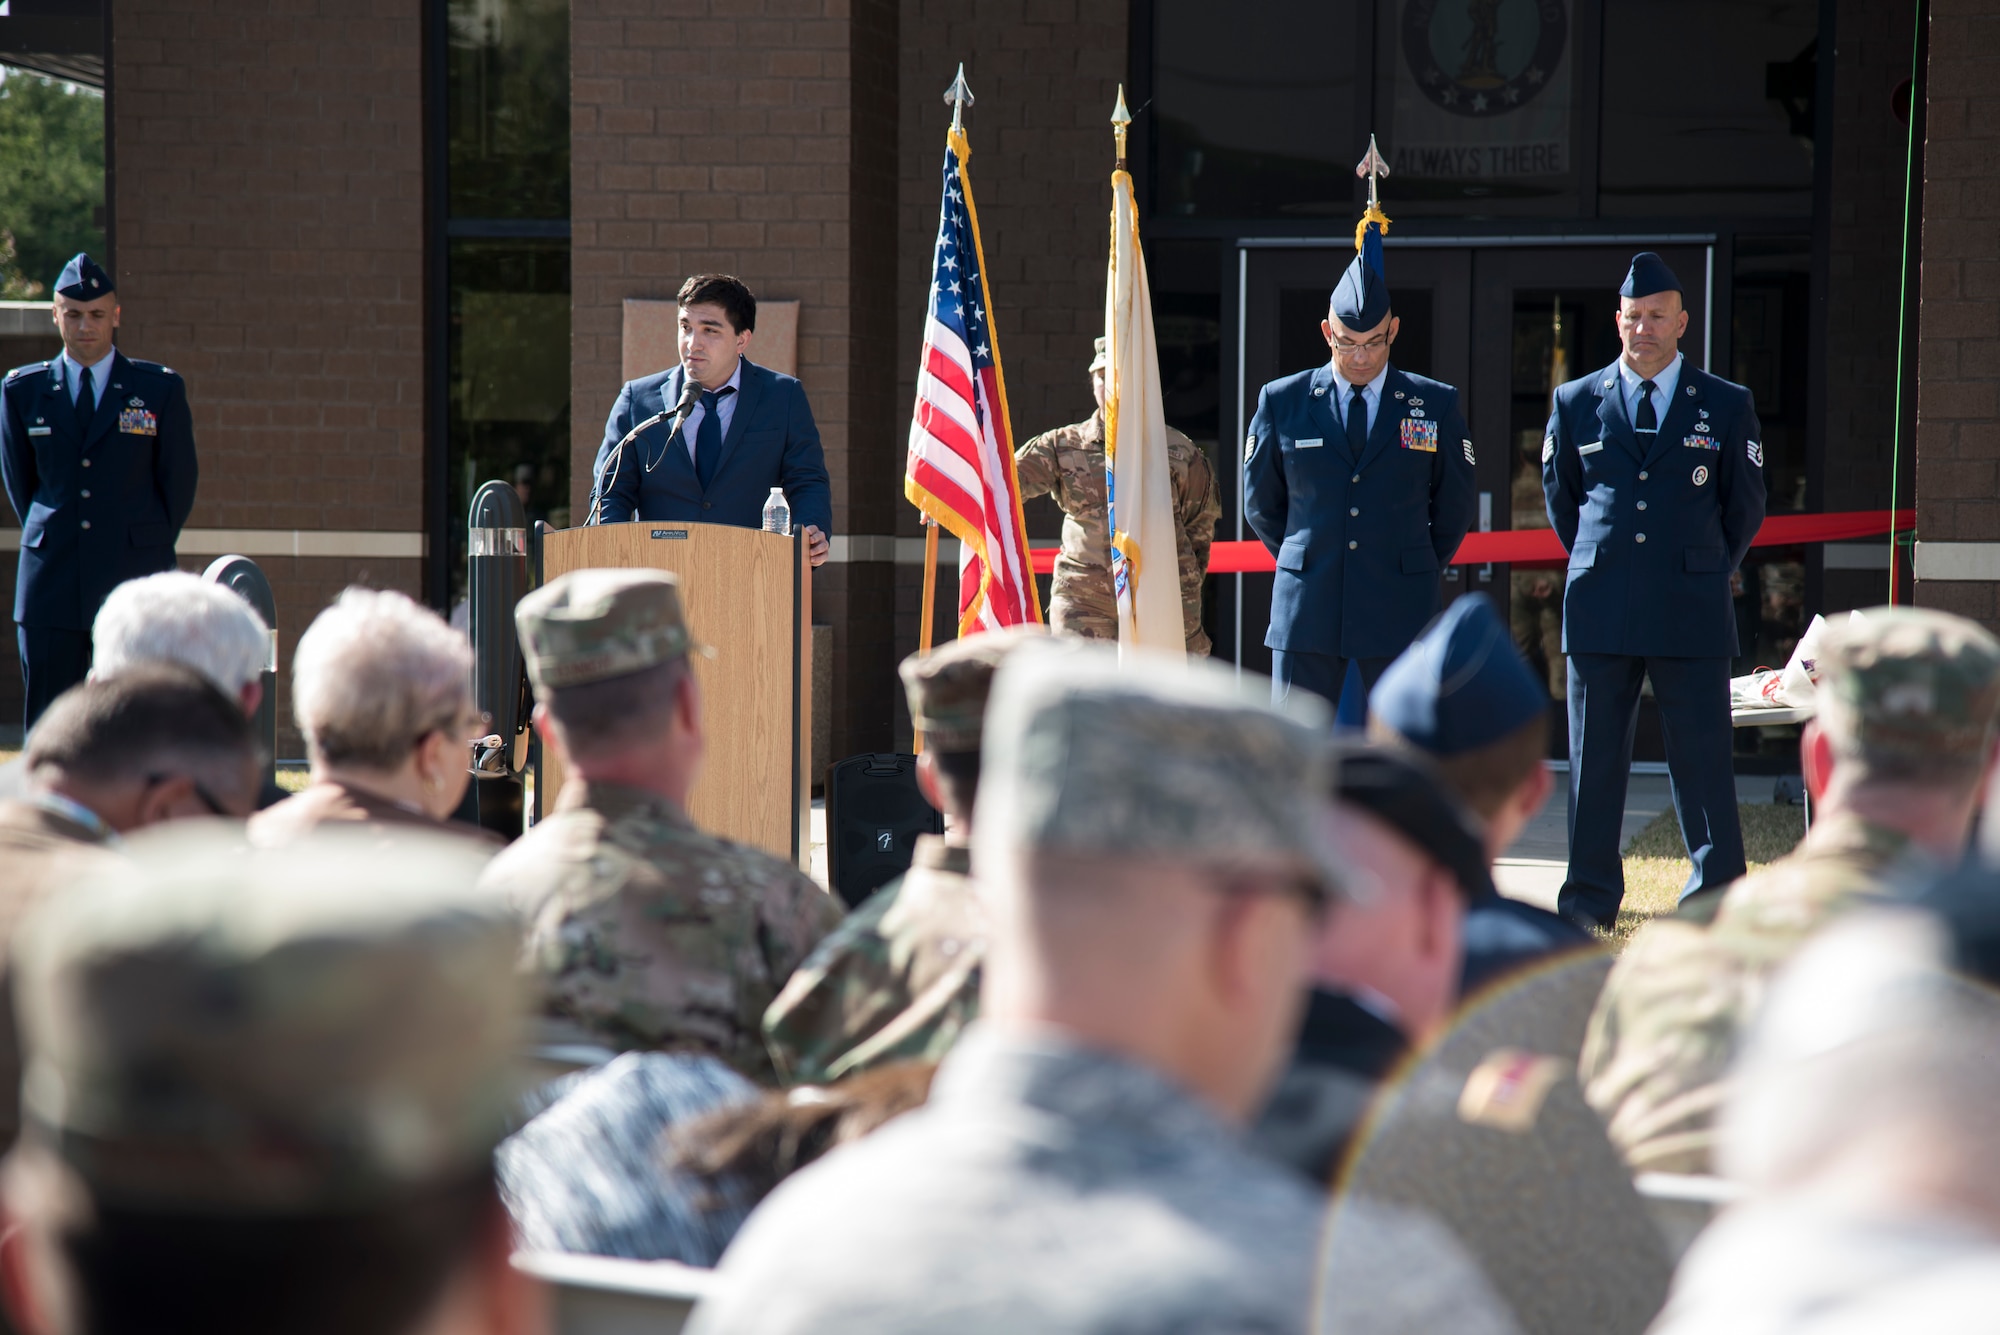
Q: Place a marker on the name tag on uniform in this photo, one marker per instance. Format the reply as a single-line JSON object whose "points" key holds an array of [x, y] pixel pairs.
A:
{"points": [[1420, 435], [1312, 444], [1702, 443], [1590, 447], [138, 422], [40, 430]]}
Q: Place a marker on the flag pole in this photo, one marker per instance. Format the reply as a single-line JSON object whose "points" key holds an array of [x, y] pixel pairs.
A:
{"points": [[959, 96]]}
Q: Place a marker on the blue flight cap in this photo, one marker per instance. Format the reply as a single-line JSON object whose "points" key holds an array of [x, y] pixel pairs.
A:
{"points": [[1361, 298], [1461, 685], [83, 280], [1649, 274]]}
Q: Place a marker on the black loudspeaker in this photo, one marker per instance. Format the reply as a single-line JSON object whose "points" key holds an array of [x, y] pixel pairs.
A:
{"points": [[874, 813]]}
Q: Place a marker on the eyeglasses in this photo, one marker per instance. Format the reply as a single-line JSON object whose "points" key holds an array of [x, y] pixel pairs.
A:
{"points": [[1307, 890], [201, 793], [1343, 348]]}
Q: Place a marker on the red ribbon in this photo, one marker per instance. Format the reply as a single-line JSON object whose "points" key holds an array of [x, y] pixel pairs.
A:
{"points": [[1540, 546]]}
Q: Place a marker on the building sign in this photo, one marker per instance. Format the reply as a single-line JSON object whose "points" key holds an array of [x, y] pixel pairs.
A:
{"points": [[1483, 95]]}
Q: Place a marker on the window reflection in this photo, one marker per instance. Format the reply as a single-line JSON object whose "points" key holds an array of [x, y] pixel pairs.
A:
{"points": [[509, 389], [1733, 134], [1255, 113], [509, 108]]}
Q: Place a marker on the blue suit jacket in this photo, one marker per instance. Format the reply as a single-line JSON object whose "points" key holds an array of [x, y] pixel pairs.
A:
{"points": [[101, 501], [771, 442], [1653, 531], [1359, 542]]}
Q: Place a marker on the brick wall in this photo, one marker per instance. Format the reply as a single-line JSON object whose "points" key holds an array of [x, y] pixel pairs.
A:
{"points": [[269, 248], [752, 137], [1958, 425]]}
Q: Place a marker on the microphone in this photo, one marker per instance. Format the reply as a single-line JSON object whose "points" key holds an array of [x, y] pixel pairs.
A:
{"points": [[690, 395]]}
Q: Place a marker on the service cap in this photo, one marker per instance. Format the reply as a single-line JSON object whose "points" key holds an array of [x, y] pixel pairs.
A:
{"points": [[1909, 687], [947, 687], [313, 1028], [1648, 274], [1399, 789], [593, 625], [1153, 758], [1361, 298], [1460, 685], [83, 280], [1102, 358]]}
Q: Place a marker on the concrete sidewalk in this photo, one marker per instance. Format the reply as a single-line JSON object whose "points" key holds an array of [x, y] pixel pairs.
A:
{"points": [[1533, 868]]}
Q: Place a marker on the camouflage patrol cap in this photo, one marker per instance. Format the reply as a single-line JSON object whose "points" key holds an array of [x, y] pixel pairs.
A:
{"points": [[215, 1028], [948, 686], [592, 625], [1908, 686], [1152, 757], [1103, 357]]}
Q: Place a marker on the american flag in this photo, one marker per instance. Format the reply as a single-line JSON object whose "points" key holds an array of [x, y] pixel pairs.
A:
{"points": [[961, 466]]}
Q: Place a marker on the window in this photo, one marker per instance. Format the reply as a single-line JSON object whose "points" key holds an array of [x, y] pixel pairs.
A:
{"points": [[506, 260], [1254, 114], [1708, 107]]}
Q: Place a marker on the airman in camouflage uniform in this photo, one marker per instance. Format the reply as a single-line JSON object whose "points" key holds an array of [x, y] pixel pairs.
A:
{"points": [[899, 979], [1068, 463], [1078, 1172], [1907, 706], [645, 932]]}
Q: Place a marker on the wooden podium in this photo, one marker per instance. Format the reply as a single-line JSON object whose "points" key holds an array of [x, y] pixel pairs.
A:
{"points": [[748, 595]]}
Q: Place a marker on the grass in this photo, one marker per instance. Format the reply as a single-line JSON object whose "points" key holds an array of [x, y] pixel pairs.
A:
{"points": [[292, 778], [1656, 865]]}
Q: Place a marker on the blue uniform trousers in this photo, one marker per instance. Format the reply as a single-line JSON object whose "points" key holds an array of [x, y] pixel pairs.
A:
{"points": [[52, 661], [1322, 674], [1693, 696]]}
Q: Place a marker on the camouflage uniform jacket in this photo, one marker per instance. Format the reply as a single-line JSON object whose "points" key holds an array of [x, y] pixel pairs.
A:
{"points": [[1054, 1188], [896, 981], [1068, 463], [647, 933], [1666, 1028]]}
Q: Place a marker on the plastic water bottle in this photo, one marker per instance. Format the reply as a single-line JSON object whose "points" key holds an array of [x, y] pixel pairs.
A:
{"points": [[777, 513]]}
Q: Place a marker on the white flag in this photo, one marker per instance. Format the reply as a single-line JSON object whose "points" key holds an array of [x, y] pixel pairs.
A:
{"points": [[1145, 548]]}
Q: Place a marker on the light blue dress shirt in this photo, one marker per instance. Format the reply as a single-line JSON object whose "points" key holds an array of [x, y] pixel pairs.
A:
{"points": [[1664, 385], [1371, 394]]}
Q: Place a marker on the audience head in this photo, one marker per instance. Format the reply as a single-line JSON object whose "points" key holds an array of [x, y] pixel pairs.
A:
{"points": [[382, 690], [947, 690], [1149, 844], [149, 743], [175, 617], [1415, 862], [1463, 695], [1907, 700], [607, 652], [1870, 1076], [263, 1090]]}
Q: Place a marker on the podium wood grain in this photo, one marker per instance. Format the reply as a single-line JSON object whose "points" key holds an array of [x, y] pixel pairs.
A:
{"points": [[748, 595]]}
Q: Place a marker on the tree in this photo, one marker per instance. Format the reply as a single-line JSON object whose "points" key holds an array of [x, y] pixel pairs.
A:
{"points": [[51, 179]]}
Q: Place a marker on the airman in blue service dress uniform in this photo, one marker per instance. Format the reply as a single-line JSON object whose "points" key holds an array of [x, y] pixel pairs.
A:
{"points": [[97, 454], [1654, 474], [1358, 477]]}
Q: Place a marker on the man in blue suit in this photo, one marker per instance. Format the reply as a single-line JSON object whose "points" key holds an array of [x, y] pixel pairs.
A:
{"points": [[1358, 477], [97, 453], [747, 431], [1654, 474]]}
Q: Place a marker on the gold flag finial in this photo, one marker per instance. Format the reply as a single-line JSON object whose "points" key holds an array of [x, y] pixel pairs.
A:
{"points": [[1120, 120], [959, 97]]}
